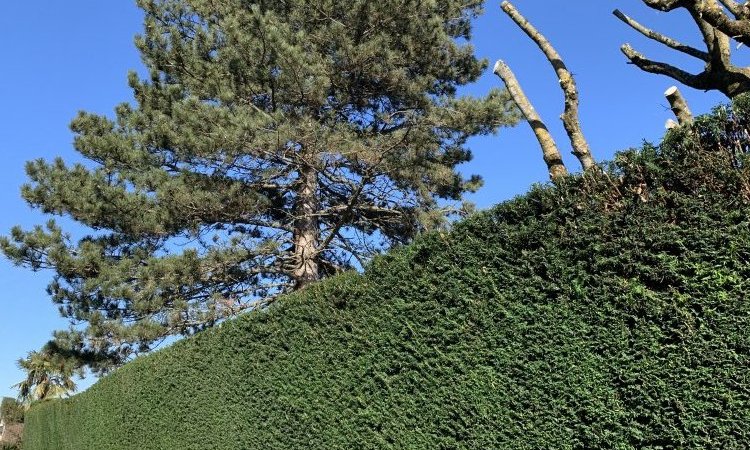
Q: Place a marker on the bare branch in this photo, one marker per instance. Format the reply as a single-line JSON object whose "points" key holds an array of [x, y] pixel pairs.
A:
{"points": [[712, 12], [660, 68], [664, 5], [343, 216], [550, 153], [658, 37], [739, 30], [739, 11], [679, 106], [569, 117], [342, 209], [716, 42], [716, 27]]}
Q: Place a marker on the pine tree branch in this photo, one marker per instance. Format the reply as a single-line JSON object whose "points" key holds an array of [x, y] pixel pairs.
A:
{"points": [[344, 216], [339, 209], [658, 37], [569, 117]]}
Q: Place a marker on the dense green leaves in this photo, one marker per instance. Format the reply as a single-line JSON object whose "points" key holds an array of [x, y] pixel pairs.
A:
{"points": [[608, 312], [272, 144]]}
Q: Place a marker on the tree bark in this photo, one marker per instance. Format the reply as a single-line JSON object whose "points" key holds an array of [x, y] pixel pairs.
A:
{"points": [[306, 229], [741, 11], [658, 37], [679, 106], [713, 20], [570, 115], [550, 153]]}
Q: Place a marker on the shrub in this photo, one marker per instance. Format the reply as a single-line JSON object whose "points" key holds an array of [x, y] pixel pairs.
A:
{"points": [[11, 410], [608, 312]]}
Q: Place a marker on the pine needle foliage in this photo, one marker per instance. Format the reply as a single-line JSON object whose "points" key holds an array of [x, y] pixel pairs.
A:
{"points": [[272, 144], [610, 311]]}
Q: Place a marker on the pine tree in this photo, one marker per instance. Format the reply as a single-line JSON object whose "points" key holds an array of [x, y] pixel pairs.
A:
{"points": [[272, 144]]}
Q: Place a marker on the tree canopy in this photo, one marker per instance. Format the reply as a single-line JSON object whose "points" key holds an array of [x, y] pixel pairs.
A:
{"points": [[49, 374], [271, 144]]}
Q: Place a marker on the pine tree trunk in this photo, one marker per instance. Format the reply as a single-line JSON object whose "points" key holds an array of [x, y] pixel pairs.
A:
{"points": [[306, 230]]}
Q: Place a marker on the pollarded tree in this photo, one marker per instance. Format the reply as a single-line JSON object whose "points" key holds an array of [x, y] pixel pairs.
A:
{"points": [[569, 117], [719, 22], [274, 143]]}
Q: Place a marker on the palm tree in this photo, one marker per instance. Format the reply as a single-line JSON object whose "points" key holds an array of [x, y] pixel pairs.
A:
{"points": [[48, 375]]}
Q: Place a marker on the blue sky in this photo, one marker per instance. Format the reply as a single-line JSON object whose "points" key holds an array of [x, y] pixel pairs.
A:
{"points": [[62, 57]]}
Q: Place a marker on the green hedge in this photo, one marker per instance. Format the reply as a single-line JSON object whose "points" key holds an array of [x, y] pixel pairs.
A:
{"points": [[610, 312], [11, 410], [11, 414]]}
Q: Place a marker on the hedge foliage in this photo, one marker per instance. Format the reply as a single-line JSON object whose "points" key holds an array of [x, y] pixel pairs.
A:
{"points": [[11, 410], [11, 415], [608, 312]]}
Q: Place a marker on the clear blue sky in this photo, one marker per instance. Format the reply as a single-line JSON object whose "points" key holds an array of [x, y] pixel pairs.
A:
{"points": [[62, 57]]}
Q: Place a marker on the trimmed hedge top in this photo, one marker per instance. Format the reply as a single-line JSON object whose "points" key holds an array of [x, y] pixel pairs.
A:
{"points": [[608, 312]]}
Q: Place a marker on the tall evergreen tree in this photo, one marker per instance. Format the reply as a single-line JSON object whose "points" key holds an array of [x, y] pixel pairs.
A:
{"points": [[274, 143]]}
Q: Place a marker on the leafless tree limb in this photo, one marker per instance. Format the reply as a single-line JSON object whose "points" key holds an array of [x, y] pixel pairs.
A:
{"points": [[569, 117], [712, 18], [658, 37], [711, 12], [679, 106], [663, 5], [739, 11], [696, 81], [550, 152]]}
